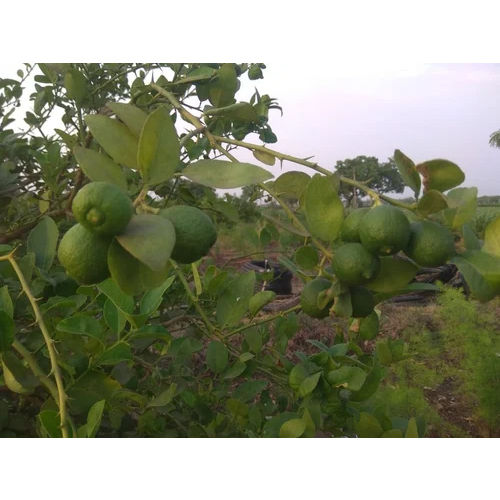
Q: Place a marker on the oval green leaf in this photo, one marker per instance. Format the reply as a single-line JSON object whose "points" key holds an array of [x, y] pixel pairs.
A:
{"points": [[407, 171], [394, 275], [492, 237], [133, 117], [293, 428], [99, 167], [159, 148], [225, 174], [291, 185], [264, 157], [234, 301], [150, 239], [324, 210], [433, 201], [217, 356], [42, 241], [115, 138], [440, 174]]}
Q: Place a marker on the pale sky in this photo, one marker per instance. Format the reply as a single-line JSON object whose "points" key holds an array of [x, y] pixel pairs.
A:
{"points": [[339, 111]]}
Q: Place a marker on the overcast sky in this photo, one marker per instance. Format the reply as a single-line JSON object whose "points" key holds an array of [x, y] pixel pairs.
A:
{"points": [[429, 111]]}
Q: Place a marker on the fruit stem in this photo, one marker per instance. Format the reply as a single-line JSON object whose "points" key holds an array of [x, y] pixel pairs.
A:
{"points": [[61, 395]]}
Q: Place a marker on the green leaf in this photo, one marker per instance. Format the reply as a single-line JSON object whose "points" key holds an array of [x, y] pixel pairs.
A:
{"points": [[462, 204], [165, 397], [235, 371], [150, 239], [350, 377], [392, 433], [394, 275], [99, 167], [159, 148], [297, 375], [291, 185], [259, 300], [369, 326], [407, 171], [368, 426], [76, 85], [253, 337], [264, 157], [217, 356], [7, 328], [241, 111], [152, 332], [94, 418], [433, 201], [370, 386], [16, 376], [309, 384], [323, 208], [234, 301], [152, 299], [6, 302], [130, 274], [246, 356], [131, 115], [293, 428], [115, 138], [115, 319], [81, 324], [225, 174], [412, 430], [306, 257], [492, 237], [247, 391], [471, 241], [221, 90], [121, 300], [115, 354], [42, 241], [342, 306], [51, 423], [440, 175], [481, 271]]}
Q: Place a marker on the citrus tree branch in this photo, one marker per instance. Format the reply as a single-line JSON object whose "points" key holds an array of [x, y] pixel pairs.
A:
{"points": [[314, 166], [61, 394]]}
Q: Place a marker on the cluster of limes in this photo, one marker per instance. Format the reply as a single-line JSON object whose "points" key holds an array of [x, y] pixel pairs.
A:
{"points": [[368, 234], [103, 211]]}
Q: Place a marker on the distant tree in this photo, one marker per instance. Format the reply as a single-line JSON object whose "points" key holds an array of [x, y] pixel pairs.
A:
{"points": [[383, 177], [495, 139]]}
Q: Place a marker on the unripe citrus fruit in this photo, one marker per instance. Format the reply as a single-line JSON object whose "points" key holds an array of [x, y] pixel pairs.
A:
{"points": [[430, 244], [354, 265], [384, 230], [362, 301], [309, 298], [84, 255], [194, 232], [350, 225], [102, 208]]}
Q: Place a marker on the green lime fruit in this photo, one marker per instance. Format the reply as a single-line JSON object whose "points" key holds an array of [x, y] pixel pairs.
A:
{"points": [[384, 230], [430, 244], [84, 255], [130, 274], [103, 208], [362, 301], [354, 265], [350, 226], [195, 232], [309, 298]]}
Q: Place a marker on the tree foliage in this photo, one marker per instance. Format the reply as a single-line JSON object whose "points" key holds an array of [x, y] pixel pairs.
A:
{"points": [[166, 349]]}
